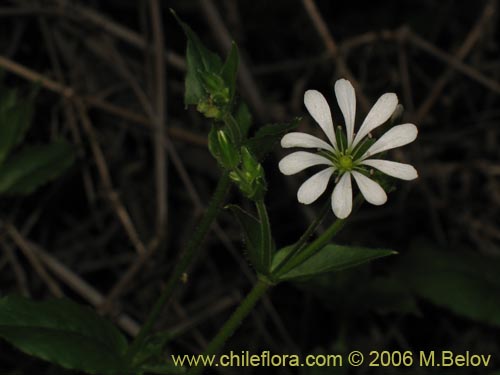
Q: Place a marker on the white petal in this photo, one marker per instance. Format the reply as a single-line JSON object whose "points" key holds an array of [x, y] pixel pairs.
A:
{"points": [[392, 168], [347, 103], [380, 113], [304, 140], [319, 109], [342, 197], [372, 191], [300, 160], [313, 187], [397, 136]]}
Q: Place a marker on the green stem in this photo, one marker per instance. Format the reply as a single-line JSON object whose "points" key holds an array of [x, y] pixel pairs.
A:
{"points": [[303, 239], [319, 243], [233, 322], [187, 256], [265, 236]]}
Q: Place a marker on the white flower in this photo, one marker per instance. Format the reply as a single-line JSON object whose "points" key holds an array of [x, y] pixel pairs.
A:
{"points": [[347, 154]]}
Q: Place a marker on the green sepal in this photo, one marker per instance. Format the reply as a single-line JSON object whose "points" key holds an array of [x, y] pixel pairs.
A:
{"points": [[223, 149], [250, 177]]}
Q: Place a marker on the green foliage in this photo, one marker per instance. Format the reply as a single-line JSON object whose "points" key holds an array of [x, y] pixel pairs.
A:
{"points": [[330, 258], [34, 166], [252, 235], [230, 69], [267, 136], [210, 84], [464, 282], [15, 119], [244, 119], [199, 61], [65, 333]]}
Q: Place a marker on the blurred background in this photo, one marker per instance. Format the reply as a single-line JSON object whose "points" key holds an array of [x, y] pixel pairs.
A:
{"points": [[108, 231]]}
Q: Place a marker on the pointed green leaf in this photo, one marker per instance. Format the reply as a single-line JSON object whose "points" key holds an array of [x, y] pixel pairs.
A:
{"points": [[34, 166], [230, 69], [466, 283], [65, 333], [244, 119], [199, 60], [251, 235], [268, 136], [330, 258]]}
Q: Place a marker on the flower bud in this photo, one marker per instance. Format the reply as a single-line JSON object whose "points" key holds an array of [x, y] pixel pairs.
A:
{"points": [[216, 88], [223, 149], [250, 176], [209, 109]]}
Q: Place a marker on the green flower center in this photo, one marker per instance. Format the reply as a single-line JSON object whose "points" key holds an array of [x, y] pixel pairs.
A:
{"points": [[345, 163]]}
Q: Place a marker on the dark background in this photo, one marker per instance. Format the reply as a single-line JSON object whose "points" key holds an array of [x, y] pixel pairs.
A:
{"points": [[440, 57]]}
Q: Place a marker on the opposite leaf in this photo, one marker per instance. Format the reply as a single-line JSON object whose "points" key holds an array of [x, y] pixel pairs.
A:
{"points": [[330, 258], [34, 166], [230, 69], [199, 60], [252, 233], [65, 333]]}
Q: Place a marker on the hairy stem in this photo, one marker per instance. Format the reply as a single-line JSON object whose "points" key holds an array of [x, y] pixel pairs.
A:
{"points": [[233, 322]]}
